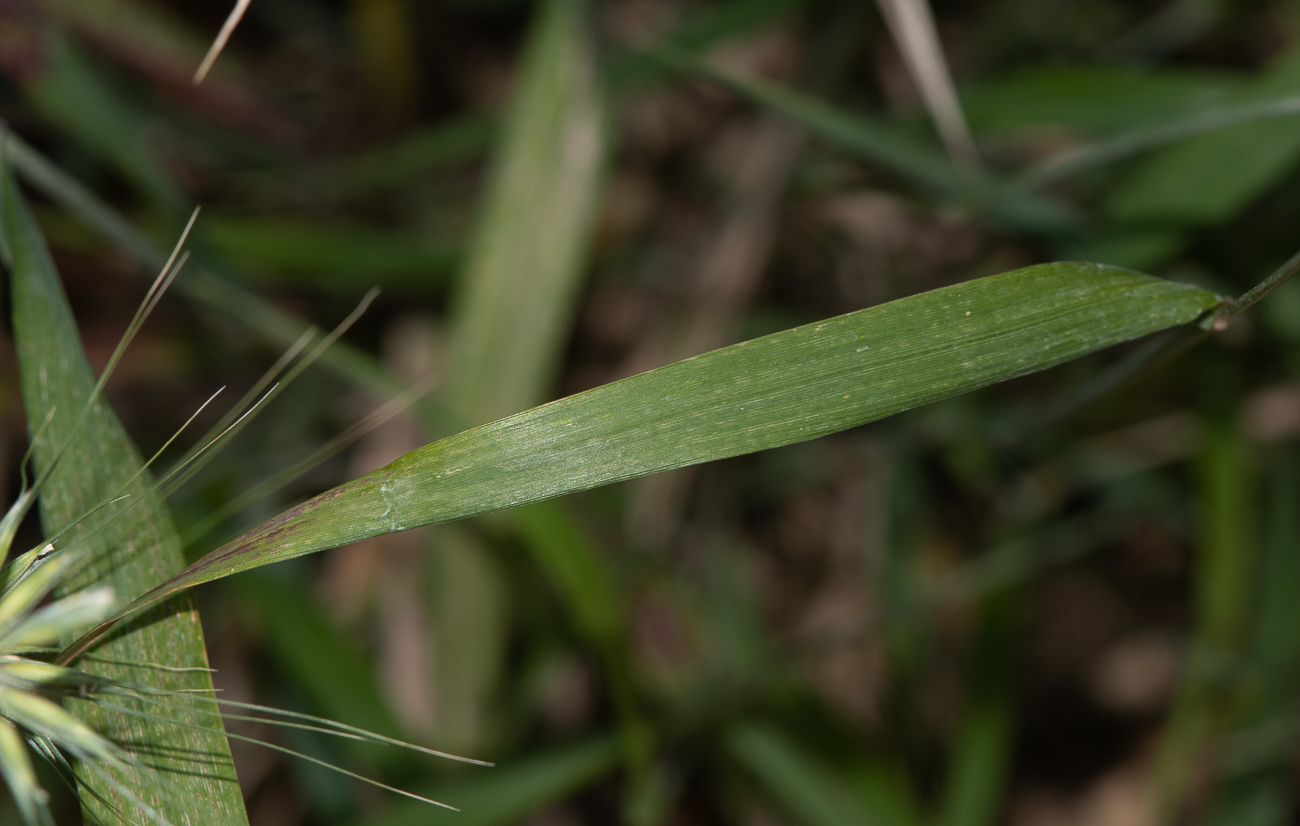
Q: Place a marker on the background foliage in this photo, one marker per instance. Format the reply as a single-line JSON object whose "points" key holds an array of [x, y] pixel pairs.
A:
{"points": [[1034, 604]]}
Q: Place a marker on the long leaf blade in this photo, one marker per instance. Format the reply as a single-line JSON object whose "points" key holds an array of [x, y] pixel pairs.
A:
{"points": [[130, 548], [777, 390]]}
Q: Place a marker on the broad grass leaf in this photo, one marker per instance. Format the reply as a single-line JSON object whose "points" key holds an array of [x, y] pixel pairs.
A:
{"points": [[132, 546], [784, 388]]}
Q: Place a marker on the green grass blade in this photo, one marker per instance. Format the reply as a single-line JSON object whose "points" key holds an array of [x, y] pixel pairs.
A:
{"points": [[980, 754], [131, 549], [870, 139], [698, 28], [1211, 178], [777, 390], [1224, 597], [812, 793], [529, 250], [198, 284], [389, 167], [513, 312], [1143, 140], [334, 256], [79, 97], [880, 143], [576, 569], [1094, 99]]}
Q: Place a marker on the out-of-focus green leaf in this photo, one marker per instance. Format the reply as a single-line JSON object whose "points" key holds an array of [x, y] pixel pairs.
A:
{"points": [[470, 609], [780, 389], [1145, 139], [78, 97], [510, 792], [1276, 641], [978, 764], [1255, 760], [514, 305], [199, 284], [129, 547], [1209, 179], [16, 766], [576, 568], [163, 50], [887, 794], [412, 155], [883, 144], [527, 256], [342, 256], [811, 793], [980, 753], [1093, 99], [1224, 564]]}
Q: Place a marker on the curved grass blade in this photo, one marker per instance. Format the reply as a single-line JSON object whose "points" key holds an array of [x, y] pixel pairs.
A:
{"points": [[129, 551], [1118, 148], [784, 388]]}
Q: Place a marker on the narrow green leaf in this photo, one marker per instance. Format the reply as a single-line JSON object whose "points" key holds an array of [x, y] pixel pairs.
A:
{"points": [[78, 96], [881, 143], [512, 316], [528, 254], [1097, 99], [1223, 599], [1210, 178], [777, 390], [199, 285], [978, 768], [868, 138], [16, 767], [393, 166], [331, 255], [698, 28], [812, 793], [577, 570], [130, 548]]}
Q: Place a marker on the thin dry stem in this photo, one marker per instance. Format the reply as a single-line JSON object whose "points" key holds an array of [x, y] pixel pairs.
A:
{"points": [[227, 28]]}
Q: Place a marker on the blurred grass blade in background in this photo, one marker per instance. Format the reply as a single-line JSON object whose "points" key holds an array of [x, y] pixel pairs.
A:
{"points": [[199, 285], [879, 142], [1213, 177], [77, 94], [515, 297], [812, 793], [130, 548], [785, 388], [511, 317], [1224, 600]]}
